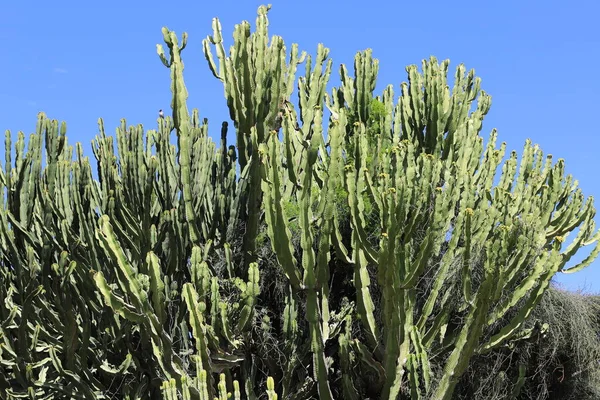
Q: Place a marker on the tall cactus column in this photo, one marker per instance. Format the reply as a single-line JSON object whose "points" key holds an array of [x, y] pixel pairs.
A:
{"points": [[257, 81], [182, 123]]}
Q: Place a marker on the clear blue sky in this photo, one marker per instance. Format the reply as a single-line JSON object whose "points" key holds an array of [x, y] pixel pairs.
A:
{"points": [[78, 61]]}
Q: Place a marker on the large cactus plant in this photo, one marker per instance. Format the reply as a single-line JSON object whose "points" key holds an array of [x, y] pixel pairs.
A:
{"points": [[347, 246]]}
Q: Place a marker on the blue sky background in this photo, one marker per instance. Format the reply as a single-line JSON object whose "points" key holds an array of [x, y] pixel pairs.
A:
{"points": [[78, 61]]}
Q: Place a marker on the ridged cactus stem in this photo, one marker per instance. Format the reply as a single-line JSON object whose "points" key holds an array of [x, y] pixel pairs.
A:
{"points": [[181, 121], [468, 338]]}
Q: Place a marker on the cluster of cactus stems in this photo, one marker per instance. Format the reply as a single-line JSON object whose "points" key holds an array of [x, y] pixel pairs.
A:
{"points": [[173, 390], [148, 281]]}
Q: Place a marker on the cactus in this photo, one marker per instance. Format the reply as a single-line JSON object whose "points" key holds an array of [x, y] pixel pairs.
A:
{"points": [[199, 385], [385, 248]]}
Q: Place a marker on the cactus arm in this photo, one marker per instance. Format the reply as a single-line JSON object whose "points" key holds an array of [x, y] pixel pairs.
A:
{"points": [[181, 121], [278, 230], [196, 310], [311, 284], [467, 339], [251, 297]]}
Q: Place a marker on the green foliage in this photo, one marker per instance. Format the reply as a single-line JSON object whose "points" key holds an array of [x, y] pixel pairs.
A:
{"points": [[377, 114], [382, 258]]}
